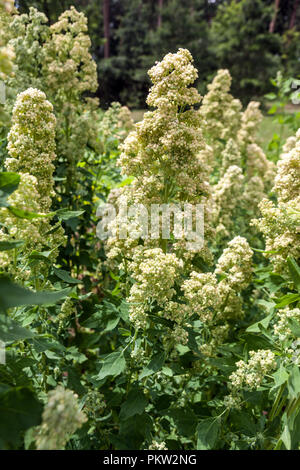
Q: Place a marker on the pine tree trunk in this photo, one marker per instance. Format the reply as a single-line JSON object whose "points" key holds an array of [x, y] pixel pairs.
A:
{"points": [[294, 14], [106, 27], [273, 21]]}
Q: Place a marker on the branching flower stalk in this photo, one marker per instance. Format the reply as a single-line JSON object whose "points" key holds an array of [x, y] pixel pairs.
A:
{"points": [[31, 145], [56, 60], [168, 156], [280, 223], [241, 174]]}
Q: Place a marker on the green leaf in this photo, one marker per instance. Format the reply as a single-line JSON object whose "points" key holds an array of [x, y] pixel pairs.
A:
{"points": [[294, 327], [287, 300], [11, 331], [65, 276], [154, 365], [258, 326], [40, 256], [258, 341], [13, 295], [286, 437], [273, 109], [295, 271], [19, 410], [10, 245], [294, 383], [185, 420], [125, 182], [124, 311], [113, 364], [270, 96], [64, 214], [268, 305], [112, 322], [161, 321], [9, 182], [291, 430], [280, 377], [134, 405], [207, 433], [21, 214], [133, 431], [244, 423], [73, 354], [42, 343]]}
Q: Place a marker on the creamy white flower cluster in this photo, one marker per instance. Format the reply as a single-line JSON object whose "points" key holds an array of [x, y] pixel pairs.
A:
{"points": [[221, 112], [27, 34], [256, 163], [68, 67], [155, 445], [165, 149], [239, 192], [171, 80], [236, 263], [250, 120], [287, 180], [289, 144], [155, 273], [230, 156], [226, 194], [258, 166], [61, 419], [31, 142], [282, 326], [217, 302], [232, 135], [31, 147], [116, 121], [280, 224], [118, 248], [249, 375]]}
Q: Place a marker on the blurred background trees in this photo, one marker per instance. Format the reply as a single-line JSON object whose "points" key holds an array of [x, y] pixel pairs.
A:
{"points": [[252, 38]]}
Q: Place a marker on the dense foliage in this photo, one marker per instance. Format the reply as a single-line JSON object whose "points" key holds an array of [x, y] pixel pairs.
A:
{"points": [[136, 342]]}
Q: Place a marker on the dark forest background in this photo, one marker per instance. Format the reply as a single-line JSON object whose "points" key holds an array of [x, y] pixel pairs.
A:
{"points": [[252, 38]]}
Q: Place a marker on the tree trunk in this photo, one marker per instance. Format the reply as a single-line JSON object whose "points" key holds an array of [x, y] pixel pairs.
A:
{"points": [[106, 27], [294, 14], [273, 21], [159, 19]]}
